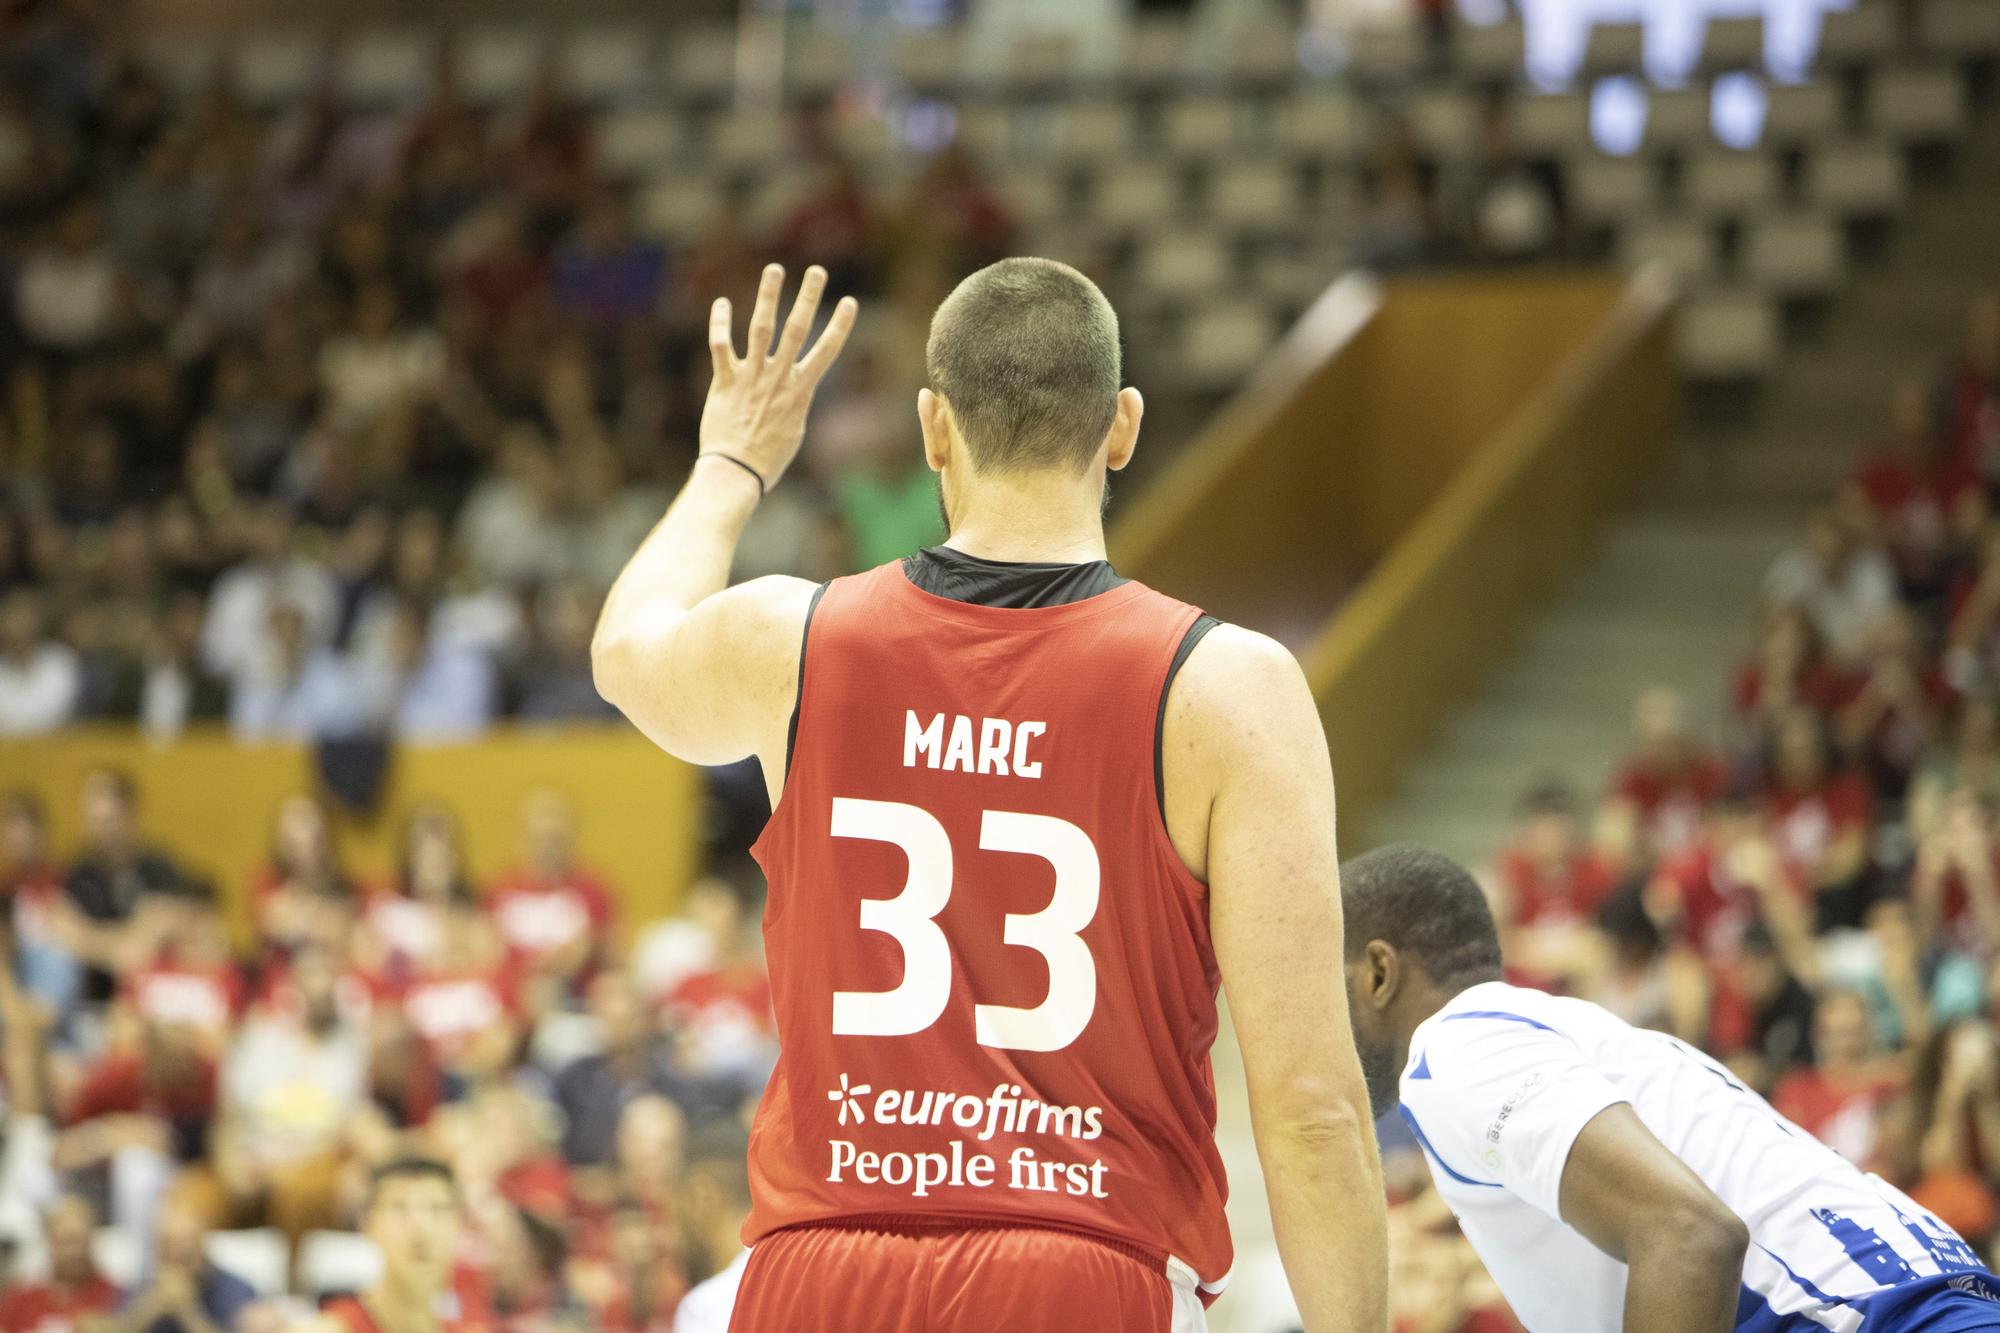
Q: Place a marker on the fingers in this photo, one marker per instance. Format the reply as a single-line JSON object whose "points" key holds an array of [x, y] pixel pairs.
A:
{"points": [[764, 319], [831, 340], [800, 321], [720, 350]]}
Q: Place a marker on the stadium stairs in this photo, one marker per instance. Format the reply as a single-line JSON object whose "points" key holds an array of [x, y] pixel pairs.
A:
{"points": [[1669, 597]]}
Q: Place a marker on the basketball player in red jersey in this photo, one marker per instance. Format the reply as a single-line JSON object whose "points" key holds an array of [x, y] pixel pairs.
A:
{"points": [[412, 1216], [1028, 816]]}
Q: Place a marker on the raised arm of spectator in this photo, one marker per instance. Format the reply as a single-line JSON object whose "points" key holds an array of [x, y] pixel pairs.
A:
{"points": [[707, 674], [1246, 766], [1756, 863]]}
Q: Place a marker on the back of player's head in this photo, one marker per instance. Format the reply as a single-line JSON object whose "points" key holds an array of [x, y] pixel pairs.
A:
{"points": [[1422, 904], [1026, 353]]}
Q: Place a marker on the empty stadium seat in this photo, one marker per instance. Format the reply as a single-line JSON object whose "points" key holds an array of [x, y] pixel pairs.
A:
{"points": [[497, 64], [1615, 48], [928, 58], [1154, 52], [634, 144], [678, 209], [1200, 126], [1444, 121], [1093, 130], [1803, 113], [1795, 255], [700, 63], [1857, 178], [260, 1257], [1263, 52], [1254, 197], [1959, 29], [1684, 245], [274, 67], [1184, 265], [598, 64], [1727, 335], [1605, 190], [1855, 37], [749, 136], [1322, 123], [1732, 44], [1220, 344], [1135, 195], [1917, 104], [1555, 124], [337, 1261], [819, 63], [1489, 54], [1389, 48], [1677, 119], [385, 67], [1730, 184]]}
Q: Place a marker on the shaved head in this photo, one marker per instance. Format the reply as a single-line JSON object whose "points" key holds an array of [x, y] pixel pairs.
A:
{"points": [[1025, 351]]}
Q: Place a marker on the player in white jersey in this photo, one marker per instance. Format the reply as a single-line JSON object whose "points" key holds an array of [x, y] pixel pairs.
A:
{"points": [[1611, 1177]]}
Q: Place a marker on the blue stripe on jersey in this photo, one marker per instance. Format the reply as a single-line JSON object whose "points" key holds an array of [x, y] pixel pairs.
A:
{"points": [[1502, 1014], [1423, 1069], [1803, 1285], [1956, 1303], [1443, 1166]]}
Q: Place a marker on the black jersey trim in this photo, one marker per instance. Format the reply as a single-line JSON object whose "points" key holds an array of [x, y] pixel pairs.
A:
{"points": [[1203, 623], [1010, 585], [799, 696]]}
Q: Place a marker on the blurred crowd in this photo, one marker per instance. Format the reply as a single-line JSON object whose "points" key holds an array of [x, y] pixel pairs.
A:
{"points": [[323, 420], [588, 1084], [1813, 892]]}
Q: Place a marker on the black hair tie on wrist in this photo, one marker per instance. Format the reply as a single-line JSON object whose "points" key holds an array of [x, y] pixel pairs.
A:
{"points": [[754, 473]]}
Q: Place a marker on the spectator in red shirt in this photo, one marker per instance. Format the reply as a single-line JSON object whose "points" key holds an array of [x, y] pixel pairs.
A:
{"points": [[1789, 669], [1942, 1140], [412, 1215], [404, 925], [463, 1005], [1670, 777], [1914, 492], [1550, 883], [189, 981], [1705, 896], [159, 1099], [1970, 759], [1968, 392], [1896, 697], [1838, 1099], [1819, 818], [290, 894], [554, 915], [75, 1292]]}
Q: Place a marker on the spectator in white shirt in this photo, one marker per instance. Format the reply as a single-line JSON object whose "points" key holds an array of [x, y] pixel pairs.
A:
{"points": [[377, 365], [235, 636], [39, 678], [1844, 585], [68, 293]]}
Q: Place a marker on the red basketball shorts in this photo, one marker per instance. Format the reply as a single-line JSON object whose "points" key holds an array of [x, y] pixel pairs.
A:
{"points": [[882, 1276]]}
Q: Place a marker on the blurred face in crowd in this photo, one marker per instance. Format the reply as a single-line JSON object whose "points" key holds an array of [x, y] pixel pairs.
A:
{"points": [[1659, 724], [20, 622], [433, 855], [620, 1016], [548, 829], [302, 837], [711, 903], [177, 1238], [23, 839], [1548, 832], [68, 1226], [414, 1221], [651, 1132], [107, 811], [1801, 752], [419, 557], [1826, 540], [316, 977], [288, 636], [1842, 1031]]}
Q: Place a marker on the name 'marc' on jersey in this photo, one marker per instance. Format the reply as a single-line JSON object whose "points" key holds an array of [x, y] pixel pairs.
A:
{"points": [[994, 987]]}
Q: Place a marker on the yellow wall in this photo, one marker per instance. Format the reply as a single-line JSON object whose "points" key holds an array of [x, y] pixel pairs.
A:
{"points": [[211, 800]]}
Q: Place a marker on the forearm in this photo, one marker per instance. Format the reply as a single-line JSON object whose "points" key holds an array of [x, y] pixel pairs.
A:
{"points": [[687, 556], [1329, 1216], [1682, 1283]]}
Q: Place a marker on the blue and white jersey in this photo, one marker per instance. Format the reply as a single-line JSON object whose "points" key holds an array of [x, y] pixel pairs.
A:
{"points": [[1502, 1080]]}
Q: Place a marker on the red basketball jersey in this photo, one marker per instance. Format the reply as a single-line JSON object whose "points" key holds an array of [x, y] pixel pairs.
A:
{"points": [[992, 974]]}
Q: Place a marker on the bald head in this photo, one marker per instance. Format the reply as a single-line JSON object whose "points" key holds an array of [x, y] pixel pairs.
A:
{"points": [[1025, 351]]}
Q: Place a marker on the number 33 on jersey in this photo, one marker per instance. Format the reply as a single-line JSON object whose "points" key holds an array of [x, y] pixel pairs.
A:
{"points": [[994, 986]]}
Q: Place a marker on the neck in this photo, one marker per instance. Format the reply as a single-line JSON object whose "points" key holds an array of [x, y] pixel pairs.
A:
{"points": [[1422, 998], [403, 1302], [1046, 517]]}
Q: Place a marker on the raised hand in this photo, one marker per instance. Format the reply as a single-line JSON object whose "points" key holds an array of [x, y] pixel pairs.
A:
{"points": [[757, 403]]}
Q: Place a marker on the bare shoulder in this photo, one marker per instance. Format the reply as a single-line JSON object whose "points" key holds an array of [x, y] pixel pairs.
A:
{"points": [[1235, 687], [764, 609]]}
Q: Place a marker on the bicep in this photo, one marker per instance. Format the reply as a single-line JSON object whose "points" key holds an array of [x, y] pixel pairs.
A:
{"points": [[712, 684], [1618, 1176], [1273, 869]]}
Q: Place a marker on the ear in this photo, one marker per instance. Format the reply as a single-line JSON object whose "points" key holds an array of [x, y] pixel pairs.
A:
{"points": [[1123, 436], [934, 416], [1381, 974]]}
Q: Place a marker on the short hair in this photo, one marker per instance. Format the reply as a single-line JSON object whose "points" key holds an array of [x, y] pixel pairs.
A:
{"points": [[1424, 903], [409, 1168], [1026, 352]]}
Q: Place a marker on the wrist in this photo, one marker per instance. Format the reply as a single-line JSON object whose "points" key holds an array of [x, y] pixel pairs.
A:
{"points": [[727, 463]]}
